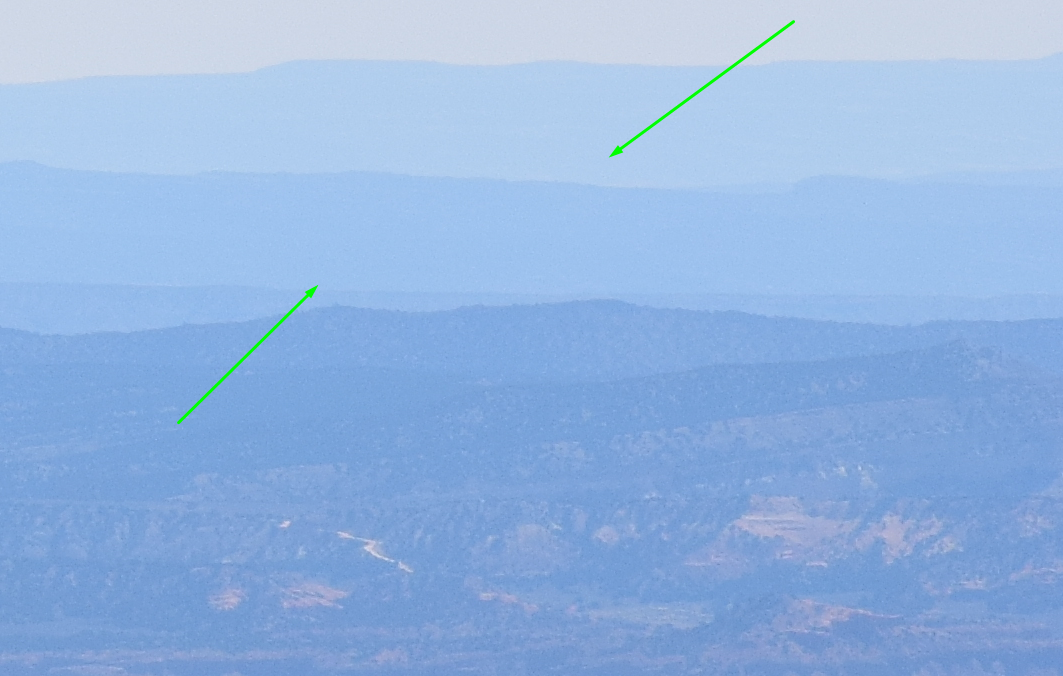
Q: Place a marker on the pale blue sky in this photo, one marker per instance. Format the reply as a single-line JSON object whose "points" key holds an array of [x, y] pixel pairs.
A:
{"points": [[58, 39]]}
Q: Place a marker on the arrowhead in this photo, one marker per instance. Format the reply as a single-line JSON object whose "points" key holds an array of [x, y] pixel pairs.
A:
{"points": [[310, 292], [616, 152]]}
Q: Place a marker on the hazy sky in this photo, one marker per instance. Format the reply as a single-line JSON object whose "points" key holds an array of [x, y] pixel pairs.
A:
{"points": [[57, 39]]}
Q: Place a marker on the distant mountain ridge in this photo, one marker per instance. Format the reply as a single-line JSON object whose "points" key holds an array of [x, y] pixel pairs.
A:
{"points": [[553, 121], [827, 236]]}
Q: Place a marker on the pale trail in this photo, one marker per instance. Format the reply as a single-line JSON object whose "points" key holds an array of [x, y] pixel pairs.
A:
{"points": [[373, 548]]}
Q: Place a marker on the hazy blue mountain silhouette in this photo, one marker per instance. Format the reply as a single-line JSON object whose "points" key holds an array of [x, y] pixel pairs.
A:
{"points": [[564, 342], [69, 309], [397, 233], [552, 121]]}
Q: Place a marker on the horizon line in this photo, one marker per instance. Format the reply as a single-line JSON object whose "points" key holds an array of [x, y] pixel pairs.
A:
{"points": [[603, 64]]}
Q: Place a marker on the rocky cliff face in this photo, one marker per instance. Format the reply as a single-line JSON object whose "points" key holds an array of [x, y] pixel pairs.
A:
{"points": [[879, 512]]}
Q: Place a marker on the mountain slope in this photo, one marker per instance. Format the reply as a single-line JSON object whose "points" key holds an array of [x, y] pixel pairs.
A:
{"points": [[619, 497]]}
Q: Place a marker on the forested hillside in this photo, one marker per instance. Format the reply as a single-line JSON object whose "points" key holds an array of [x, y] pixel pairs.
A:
{"points": [[577, 488]]}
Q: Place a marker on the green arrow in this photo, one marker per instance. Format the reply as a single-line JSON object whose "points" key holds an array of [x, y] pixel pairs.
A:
{"points": [[620, 149], [309, 294]]}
